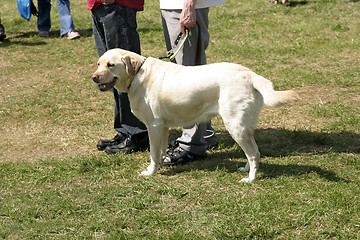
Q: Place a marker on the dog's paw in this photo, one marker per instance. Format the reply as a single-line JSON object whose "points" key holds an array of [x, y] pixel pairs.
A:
{"points": [[245, 180], [150, 170], [146, 173], [243, 169]]}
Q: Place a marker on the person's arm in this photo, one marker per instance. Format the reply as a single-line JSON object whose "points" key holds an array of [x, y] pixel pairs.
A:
{"points": [[188, 15]]}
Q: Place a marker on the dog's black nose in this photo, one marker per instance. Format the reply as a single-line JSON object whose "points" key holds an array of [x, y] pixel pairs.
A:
{"points": [[95, 78]]}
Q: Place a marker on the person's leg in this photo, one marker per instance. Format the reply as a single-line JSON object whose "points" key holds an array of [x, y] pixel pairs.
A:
{"points": [[210, 136], [128, 123], [115, 27], [44, 21], [99, 34], [2, 31], [120, 32], [65, 17], [193, 53], [202, 16]]}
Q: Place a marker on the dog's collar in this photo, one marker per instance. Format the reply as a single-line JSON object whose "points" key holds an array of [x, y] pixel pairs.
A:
{"points": [[140, 67], [128, 87]]}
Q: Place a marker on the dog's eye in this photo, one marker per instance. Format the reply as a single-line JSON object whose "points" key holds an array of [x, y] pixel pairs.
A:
{"points": [[110, 64]]}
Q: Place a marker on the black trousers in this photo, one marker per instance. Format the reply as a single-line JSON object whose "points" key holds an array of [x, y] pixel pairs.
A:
{"points": [[115, 26]]}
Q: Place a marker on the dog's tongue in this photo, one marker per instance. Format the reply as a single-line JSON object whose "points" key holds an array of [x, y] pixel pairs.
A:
{"points": [[102, 86], [107, 86]]}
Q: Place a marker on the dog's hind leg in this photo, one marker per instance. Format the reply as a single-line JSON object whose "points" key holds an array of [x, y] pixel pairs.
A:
{"points": [[240, 125], [250, 148], [158, 137], [245, 138]]}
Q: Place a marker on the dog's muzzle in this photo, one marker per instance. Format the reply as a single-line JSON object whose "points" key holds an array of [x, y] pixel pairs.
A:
{"points": [[104, 86]]}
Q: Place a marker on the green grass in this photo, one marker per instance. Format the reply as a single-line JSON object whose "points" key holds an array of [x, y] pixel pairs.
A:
{"points": [[106, 198], [56, 185]]}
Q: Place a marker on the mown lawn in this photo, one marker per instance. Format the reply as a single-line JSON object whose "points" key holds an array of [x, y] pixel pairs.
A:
{"points": [[56, 185]]}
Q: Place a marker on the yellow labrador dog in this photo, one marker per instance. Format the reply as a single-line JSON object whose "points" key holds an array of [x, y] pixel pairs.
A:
{"points": [[164, 94]]}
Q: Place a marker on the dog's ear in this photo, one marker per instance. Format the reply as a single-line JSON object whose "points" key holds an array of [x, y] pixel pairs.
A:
{"points": [[132, 64]]}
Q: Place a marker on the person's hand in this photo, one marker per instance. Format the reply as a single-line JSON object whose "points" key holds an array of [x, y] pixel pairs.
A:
{"points": [[188, 15], [107, 1]]}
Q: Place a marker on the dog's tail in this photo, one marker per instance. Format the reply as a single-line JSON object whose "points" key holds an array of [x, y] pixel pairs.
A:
{"points": [[271, 97]]}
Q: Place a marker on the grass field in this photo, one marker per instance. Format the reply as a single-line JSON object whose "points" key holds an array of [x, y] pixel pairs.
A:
{"points": [[56, 185]]}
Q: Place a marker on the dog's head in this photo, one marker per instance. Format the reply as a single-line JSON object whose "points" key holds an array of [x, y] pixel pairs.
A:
{"points": [[117, 68]]}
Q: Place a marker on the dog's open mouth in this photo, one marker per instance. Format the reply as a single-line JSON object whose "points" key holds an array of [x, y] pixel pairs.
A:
{"points": [[107, 86]]}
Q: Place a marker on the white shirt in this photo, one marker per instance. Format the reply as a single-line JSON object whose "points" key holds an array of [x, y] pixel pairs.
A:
{"points": [[179, 4]]}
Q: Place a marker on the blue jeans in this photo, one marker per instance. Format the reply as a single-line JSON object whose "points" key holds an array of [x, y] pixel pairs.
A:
{"points": [[66, 20], [114, 26], [44, 20]]}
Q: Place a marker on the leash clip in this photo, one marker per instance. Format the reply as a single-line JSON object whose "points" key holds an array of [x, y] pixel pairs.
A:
{"points": [[178, 44]]}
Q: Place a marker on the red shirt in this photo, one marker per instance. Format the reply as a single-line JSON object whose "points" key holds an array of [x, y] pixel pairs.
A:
{"points": [[135, 4]]}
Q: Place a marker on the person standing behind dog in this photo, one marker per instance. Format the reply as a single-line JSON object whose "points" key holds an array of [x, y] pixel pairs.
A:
{"points": [[114, 26], [176, 16], [44, 21], [2, 31]]}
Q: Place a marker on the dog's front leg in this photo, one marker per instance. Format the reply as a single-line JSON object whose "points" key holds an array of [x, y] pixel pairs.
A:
{"points": [[158, 137]]}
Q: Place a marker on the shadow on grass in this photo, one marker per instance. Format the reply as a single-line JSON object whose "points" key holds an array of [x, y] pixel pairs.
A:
{"points": [[294, 4], [9, 41], [276, 170], [18, 39], [268, 170], [282, 142], [278, 143]]}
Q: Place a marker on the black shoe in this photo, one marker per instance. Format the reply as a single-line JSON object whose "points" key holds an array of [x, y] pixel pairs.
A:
{"points": [[2, 32], [177, 155], [129, 144], [102, 144]]}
